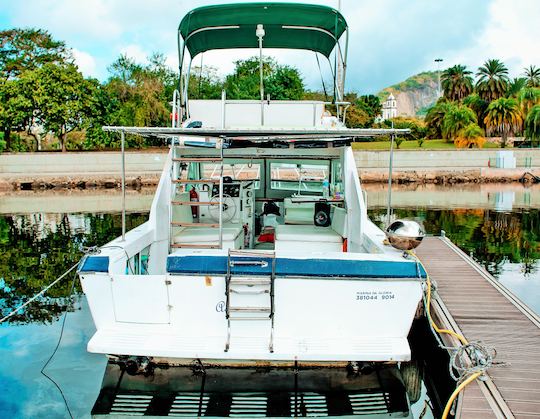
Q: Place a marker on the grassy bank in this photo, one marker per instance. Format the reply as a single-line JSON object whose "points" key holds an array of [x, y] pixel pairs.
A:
{"points": [[412, 145]]}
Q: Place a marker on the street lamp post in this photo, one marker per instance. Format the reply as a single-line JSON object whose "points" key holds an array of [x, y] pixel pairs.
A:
{"points": [[439, 61]]}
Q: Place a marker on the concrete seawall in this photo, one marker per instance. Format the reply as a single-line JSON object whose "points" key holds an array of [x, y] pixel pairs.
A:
{"points": [[102, 169]]}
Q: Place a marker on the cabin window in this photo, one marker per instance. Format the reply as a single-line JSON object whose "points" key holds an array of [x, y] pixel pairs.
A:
{"points": [[237, 171], [301, 178]]}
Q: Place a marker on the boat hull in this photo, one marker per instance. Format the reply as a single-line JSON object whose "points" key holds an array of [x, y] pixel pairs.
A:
{"points": [[314, 319]]}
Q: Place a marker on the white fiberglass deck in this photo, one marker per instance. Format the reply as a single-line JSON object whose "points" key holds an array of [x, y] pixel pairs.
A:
{"points": [[162, 341]]}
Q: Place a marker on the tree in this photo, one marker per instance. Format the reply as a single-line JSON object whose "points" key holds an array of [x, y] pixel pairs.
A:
{"points": [[478, 105], [204, 83], [532, 124], [28, 49], [280, 82], [141, 92], [532, 75], [23, 51], [285, 83], [357, 117], [529, 97], [435, 117], [371, 104], [470, 136], [16, 107], [515, 86], [457, 118], [457, 82], [503, 117], [64, 99], [492, 80]]}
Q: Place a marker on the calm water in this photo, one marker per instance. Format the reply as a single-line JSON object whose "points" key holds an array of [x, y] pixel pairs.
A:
{"points": [[500, 228]]}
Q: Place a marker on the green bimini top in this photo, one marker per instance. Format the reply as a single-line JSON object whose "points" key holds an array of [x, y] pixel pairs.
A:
{"points": [[287, 25]]}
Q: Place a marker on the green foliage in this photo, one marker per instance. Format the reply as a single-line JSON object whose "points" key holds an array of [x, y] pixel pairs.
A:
{"points": [[456, 82], [470, 136], [434, 119], [16, 105], [204, 83], [492, 80], [27, 49], [515, 86], [281, 82], [532, 124], [532, 75], [357, 117], [456, 118], [371, 104], [141, 92], [2, 142], [418, 127], [529, 97], [63, 99], [33, 256], [285, 83], [478, 105], [503, 116]]}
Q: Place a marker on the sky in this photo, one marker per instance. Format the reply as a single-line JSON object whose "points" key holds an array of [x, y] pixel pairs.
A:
{"points": [[390, 40]]}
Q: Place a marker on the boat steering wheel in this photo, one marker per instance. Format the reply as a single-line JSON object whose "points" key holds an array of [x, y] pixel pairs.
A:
{"points": [[228, 208]]}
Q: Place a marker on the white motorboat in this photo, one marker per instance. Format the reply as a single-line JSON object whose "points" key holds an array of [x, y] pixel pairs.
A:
{"points": [[258, 248]]}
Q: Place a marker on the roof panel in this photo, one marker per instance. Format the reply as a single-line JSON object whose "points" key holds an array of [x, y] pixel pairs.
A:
{"points": [[287, 25]]}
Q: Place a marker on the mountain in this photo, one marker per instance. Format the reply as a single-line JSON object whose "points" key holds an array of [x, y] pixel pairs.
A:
{"points": [[414, 95]]}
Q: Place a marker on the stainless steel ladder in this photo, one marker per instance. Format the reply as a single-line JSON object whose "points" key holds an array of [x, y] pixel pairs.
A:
{"points": [[243, 284], [181, 164]]}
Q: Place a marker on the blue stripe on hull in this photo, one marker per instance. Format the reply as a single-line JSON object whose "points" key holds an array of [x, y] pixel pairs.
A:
{"points": [[217, 265]]}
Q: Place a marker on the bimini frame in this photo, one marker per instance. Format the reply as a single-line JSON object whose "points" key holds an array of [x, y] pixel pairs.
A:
{"points": [[184, 68]]}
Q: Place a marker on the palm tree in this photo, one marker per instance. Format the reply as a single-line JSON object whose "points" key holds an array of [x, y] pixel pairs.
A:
{"points": [[532, 74], [504, 117], [515, 86], [478, 105], [492, 80], [457, 82], [435, 116], [532, 124], [456, 119], [470, 136], [529, 97]]}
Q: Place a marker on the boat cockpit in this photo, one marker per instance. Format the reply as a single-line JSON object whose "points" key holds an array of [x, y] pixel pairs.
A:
{"points": [[278, 200]]}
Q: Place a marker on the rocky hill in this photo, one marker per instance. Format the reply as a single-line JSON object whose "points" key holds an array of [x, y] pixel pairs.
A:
{"points": [[414, 95]]}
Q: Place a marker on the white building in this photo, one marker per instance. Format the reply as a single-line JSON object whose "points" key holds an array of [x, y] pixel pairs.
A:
{"points": [[389, 108]]}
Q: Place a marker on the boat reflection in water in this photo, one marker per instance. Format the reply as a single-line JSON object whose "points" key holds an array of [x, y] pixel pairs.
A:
{"points": [[199, 390]]}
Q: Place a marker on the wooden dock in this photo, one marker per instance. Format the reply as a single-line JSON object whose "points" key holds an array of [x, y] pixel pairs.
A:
{"points": [[470, 301]]}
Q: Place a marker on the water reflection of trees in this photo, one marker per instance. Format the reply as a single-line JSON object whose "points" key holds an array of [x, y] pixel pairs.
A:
{"points": [[35, 250], [491, 237]]}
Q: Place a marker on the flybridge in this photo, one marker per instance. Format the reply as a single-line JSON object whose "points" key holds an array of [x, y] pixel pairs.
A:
{"points": [[263, 25]]}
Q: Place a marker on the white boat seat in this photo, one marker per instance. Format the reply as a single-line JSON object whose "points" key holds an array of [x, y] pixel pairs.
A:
{"points": [[307, 233], [311, 238], [205, 235]]}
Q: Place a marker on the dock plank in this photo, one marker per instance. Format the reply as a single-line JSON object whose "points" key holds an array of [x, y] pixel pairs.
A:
{"points": [[486, 311]]}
